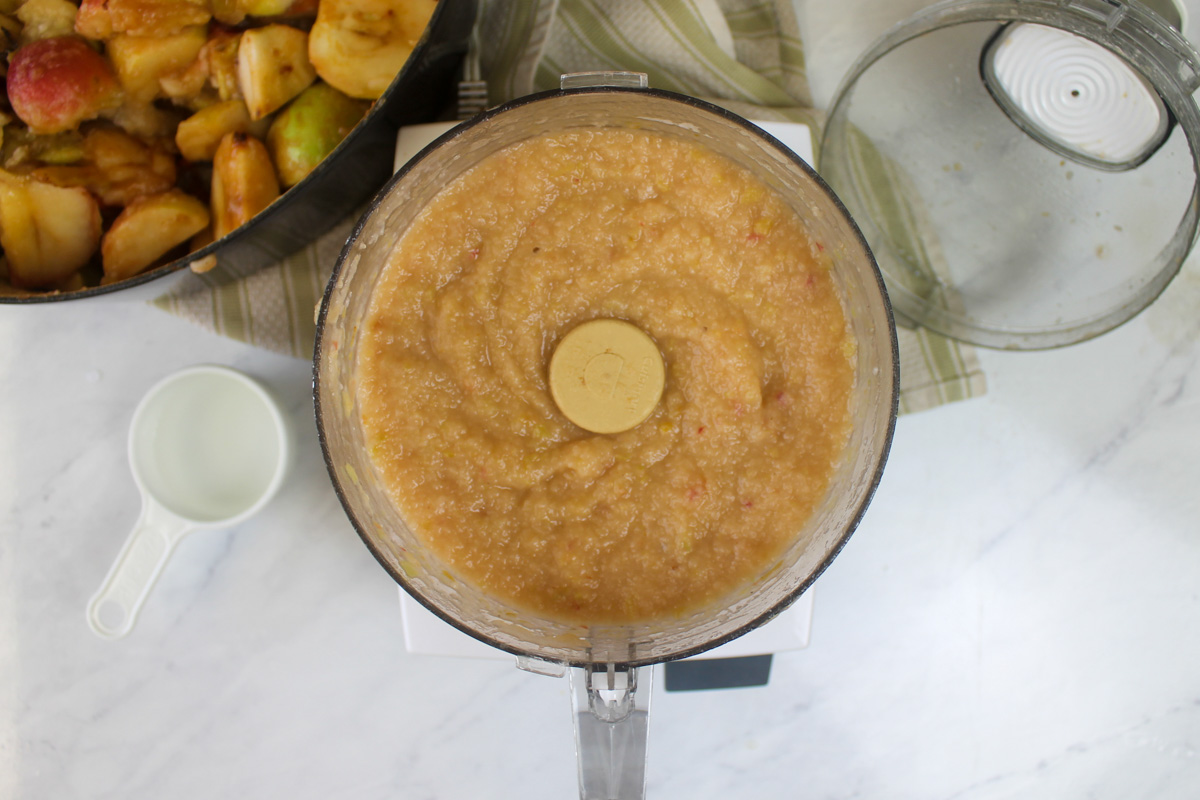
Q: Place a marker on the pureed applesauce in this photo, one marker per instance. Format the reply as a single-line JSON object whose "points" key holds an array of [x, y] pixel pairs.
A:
{"points": [[675, 512]]}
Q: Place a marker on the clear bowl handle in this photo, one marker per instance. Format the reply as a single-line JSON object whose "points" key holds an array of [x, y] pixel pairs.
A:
{"points": [[611, 79], [612, 716]]}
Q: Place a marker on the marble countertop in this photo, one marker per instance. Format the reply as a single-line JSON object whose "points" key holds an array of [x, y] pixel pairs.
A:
{"points": [[1017, 617]]}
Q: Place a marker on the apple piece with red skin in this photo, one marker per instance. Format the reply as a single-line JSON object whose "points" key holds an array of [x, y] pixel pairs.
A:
{"points": [[55, 84]]}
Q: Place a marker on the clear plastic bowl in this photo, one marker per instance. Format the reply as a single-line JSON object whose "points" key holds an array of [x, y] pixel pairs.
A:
{"points": [[985, 232], [381, 525]]}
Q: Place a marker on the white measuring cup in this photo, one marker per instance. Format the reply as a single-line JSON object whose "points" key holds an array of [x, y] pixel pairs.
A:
{"points": [[208, 447]]}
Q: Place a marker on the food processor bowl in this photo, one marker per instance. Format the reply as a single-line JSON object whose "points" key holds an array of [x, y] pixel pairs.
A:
{"points": [[607, 652]]}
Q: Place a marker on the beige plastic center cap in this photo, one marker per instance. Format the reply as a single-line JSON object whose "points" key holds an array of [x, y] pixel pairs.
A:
{"points": [[606, 376]]}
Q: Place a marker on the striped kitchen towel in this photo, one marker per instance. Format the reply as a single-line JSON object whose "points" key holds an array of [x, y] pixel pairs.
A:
{"points": [[745, 55]]}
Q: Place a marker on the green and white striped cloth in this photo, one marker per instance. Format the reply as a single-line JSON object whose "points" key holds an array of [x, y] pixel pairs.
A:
{"points": [[745, 55]]}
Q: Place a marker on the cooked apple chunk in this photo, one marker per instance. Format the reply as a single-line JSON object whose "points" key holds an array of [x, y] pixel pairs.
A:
{"points": [[94, 20], [46, 19], [221, 56], [228, 12], [47, 232], [157, 17], [142, 61], [117, 168], [273, 67], [358, 46], [147, 229], [233, 12], [197, 136], [243, 182], [211, 76], [265, 8], [100, 19]]}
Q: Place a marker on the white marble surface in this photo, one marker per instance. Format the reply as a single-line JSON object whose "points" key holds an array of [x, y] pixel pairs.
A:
{"points": [[1017, 617]]}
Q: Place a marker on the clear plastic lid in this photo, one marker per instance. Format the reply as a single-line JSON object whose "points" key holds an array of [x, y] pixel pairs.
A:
{"points": [[1024, 170]]}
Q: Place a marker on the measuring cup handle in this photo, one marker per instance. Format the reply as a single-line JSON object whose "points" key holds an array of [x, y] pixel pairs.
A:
{"points": [[114, 608]]}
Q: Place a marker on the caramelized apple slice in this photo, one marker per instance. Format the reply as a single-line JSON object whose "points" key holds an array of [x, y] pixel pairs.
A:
{"points": [[273, 67], [46, 19], [243, 182], [147, 229], [142, 61], [198, 136], [358, 46], [157, 17], [94, 20], [116, 167], [265, 8], [210, 76], [47, 232], [101, 19]]}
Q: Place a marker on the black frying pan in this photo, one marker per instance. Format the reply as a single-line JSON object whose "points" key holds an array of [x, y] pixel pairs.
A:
{"points": [[350, 175]]}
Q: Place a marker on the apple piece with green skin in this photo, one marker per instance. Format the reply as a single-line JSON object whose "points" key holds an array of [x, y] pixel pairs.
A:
{"points": [[47, 232], [55, 84], [305, 132]]}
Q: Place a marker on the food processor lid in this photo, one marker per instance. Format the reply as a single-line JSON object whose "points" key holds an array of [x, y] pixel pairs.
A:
{"points": [[1025, 171]]}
